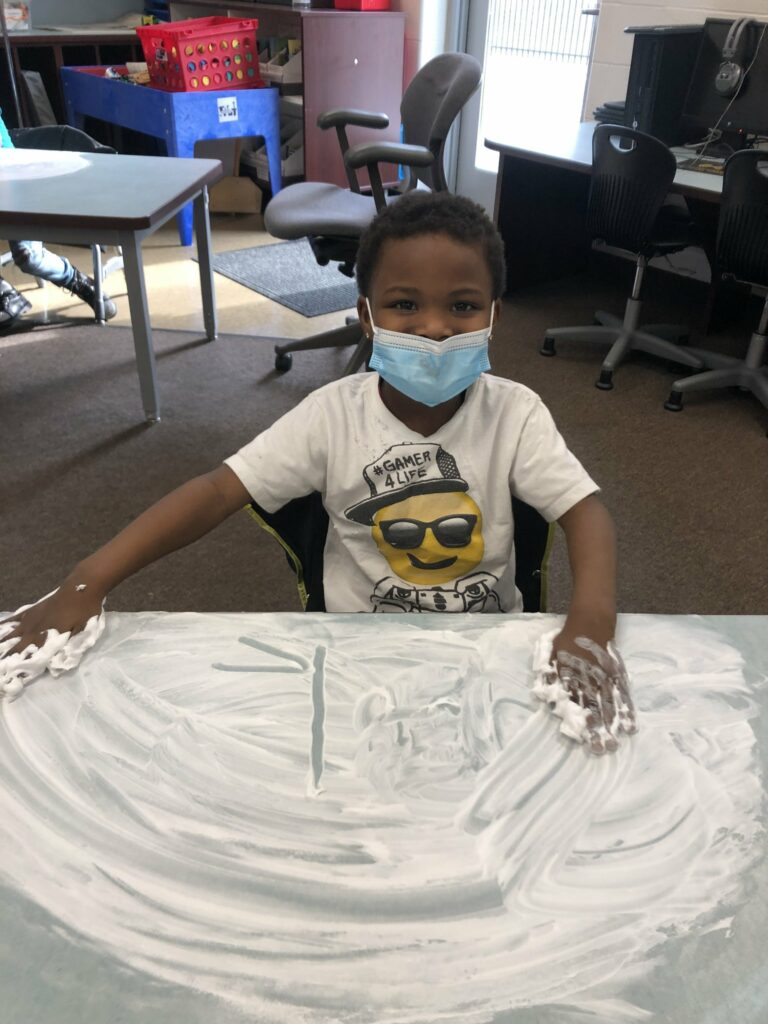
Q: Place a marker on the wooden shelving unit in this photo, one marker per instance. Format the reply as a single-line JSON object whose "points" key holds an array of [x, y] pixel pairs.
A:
{"points": [[349, 59], [47, 52]]}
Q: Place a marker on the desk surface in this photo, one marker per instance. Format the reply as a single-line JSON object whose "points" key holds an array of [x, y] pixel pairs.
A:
{"points": [[231, 818], [573, 149], [85, 190]]}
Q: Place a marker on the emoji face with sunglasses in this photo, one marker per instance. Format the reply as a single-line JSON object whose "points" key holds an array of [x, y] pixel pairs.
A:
{"points": [[430, 538]]}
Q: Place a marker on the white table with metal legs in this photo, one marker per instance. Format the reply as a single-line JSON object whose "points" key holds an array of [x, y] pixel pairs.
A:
{"points": [[85, 198]]}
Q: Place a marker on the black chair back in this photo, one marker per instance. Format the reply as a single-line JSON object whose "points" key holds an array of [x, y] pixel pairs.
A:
{"points": [[631, 176], [61, 137], [430, 105], [742, 233]]}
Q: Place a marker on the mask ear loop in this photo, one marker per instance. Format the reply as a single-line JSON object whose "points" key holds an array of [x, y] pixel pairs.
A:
{"points": [[370, 317], [490, 325]]}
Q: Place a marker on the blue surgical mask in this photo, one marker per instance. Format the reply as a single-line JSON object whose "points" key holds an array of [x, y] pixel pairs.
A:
{"points": [[430, 372]]}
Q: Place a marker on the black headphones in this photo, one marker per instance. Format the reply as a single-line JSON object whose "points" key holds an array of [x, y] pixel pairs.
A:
{"points": [[730, 74]]}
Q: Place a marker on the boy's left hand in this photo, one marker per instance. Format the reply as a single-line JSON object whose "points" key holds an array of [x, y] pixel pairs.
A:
{"points": [[594, 676]]}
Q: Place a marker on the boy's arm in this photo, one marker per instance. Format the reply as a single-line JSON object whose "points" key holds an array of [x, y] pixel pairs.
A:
{"points": [[178, 519], [588, 666], [591, 540]]}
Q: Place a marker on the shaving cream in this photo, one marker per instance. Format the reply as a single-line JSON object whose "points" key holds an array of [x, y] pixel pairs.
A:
{"points": [[457, 857], [59, 652]]}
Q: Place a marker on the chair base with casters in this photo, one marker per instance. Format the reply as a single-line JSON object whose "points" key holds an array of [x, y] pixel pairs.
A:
{"points": [[342, 251], [625, 335], [301, 526], [339, 337], [748, 373]]}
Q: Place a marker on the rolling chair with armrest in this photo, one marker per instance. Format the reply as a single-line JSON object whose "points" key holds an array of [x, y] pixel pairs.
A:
{"points": [[741, 252], [301, 526], [626, 210], [334, 218], [64, 138]]}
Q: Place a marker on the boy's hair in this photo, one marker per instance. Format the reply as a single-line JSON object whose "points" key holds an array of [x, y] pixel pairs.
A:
{"points": [[431, 213]]}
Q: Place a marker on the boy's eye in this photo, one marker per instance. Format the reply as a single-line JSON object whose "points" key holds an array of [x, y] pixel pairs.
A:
{"points": [[408, 306]]}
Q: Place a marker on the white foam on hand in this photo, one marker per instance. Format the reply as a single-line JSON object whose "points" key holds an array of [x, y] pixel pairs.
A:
{"points": [[60, 652], [548, 687], [591, 697]]}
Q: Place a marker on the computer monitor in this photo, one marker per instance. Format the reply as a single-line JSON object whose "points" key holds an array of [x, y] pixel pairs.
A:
{"points": [[744, 111]]}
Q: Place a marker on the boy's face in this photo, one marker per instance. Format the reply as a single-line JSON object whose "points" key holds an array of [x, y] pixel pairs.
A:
{"points": [[430, 285]]}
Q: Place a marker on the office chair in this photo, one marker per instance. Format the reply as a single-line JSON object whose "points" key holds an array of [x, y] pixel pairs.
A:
{"points": [[334, 218], [741, 252], [64, 138], [631, 176], [301, 525]]}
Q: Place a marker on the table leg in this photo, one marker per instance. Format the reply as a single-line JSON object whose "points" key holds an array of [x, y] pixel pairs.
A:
{"points": [[205, 265], [184, 148], [272, 144], [142, 332]]}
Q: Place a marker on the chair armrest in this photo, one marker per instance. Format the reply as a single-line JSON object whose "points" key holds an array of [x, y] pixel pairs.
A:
{"points": [[371, 154], [367, 153], [339, 118], [342, 116]]}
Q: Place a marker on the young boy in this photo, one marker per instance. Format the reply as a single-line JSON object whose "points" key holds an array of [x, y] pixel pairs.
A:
{"points": [[33, 258], [416, 464]]}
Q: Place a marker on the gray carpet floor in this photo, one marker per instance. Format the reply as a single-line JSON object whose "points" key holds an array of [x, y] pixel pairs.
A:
{"points": [[288, 273], [689, 491]]}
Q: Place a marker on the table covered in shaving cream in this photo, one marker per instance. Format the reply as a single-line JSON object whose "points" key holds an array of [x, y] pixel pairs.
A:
{"points": [[321, 818]]}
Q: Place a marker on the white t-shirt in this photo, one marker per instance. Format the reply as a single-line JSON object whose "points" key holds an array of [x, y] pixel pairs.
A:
{"points": [[416, 523]]}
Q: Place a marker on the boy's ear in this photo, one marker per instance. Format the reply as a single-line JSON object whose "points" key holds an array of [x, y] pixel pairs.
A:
{"points": [[496, 312], [362, 313]]}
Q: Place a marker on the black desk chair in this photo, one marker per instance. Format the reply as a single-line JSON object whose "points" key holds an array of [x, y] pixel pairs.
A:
{"points": [[64, 138], [631, 175], [334, 218], [301, 526], [741, 252]]}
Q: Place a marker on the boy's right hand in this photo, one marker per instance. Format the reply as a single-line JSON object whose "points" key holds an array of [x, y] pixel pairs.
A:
{"points": [[67, 610]]}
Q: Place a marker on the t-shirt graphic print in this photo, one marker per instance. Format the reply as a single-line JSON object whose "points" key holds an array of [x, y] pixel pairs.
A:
{"points": [[429, 529]]}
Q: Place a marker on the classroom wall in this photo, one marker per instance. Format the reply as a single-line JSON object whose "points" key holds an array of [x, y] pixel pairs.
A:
{"points": [[613, 48], [80, 12]]}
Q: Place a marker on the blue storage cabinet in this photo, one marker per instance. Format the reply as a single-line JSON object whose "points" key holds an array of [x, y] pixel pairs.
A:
{"points": [[180, 119]]}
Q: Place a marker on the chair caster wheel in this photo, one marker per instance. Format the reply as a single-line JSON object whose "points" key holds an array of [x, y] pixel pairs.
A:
{"points": [[605, 380], [283, 362], [548, 348], [675, 402]]}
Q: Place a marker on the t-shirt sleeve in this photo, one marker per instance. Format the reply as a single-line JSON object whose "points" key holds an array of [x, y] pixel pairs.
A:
{"points": [[288, 460], [545, 473]]}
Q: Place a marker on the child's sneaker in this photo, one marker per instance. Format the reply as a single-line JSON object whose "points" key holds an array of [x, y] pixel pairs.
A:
{"points": [[84, 288], [12, 303]]}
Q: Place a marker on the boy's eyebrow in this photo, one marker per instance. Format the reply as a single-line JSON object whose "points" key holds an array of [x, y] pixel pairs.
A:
{"points": [[464, 290]]}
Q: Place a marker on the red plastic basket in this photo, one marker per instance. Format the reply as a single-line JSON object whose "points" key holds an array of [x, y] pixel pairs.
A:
{"points": [[202, 54]]}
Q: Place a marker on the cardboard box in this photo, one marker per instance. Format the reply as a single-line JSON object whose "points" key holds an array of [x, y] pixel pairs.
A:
{"points": [[235, 195]]}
